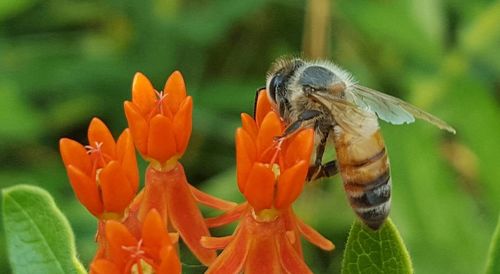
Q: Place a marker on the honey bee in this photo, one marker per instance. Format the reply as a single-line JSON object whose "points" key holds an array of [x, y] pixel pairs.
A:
{"points": [[321, 95]]}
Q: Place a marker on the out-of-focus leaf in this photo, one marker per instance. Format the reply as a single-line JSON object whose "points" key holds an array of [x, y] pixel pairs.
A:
{"points": [[493, 263], [372, 252], [39, 238], [10, 8], [19, 121], [481, 39]]}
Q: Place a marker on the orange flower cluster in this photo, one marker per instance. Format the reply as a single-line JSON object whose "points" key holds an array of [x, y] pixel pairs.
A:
{"points": [[137, 233], [271, 174]]}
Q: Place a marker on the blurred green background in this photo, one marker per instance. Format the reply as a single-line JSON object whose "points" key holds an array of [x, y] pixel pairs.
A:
{"points": [[63, 62]]}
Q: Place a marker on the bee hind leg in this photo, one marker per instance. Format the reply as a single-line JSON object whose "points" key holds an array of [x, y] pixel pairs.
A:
{"points": [[320, 171]]}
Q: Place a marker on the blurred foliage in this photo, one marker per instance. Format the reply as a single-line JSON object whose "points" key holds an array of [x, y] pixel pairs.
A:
{"points": [[63, 62]]}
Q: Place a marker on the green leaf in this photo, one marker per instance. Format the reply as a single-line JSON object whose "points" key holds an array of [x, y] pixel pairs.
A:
{"points": [[381, 251], [493, 263], [38, 236]]}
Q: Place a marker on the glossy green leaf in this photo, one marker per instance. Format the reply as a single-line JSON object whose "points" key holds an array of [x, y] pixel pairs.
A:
{"points": [[493, 263], [372, 252], [38, 236]]}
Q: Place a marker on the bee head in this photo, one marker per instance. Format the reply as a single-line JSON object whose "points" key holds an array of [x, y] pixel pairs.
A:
{"points": [[317, 78], [278, 80]]}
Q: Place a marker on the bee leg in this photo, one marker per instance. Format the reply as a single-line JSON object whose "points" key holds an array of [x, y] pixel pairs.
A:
{"points": [[319, 170], [303, 117], [322, 171], [257, 92]]}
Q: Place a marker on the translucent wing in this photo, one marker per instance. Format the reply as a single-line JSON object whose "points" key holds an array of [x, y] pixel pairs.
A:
{"points": [[348, 116], [392, 109]]}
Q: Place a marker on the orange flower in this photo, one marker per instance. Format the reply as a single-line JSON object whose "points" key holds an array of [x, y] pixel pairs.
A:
{"points": [[124, 253], [271, 174], [160, 121], [103, 174]]}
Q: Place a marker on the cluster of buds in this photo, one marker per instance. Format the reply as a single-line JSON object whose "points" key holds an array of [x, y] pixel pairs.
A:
{"points": [[139, 232]]}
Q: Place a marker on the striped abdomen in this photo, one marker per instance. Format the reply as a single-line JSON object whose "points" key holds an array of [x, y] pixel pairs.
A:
{"points": [[364, 167]]}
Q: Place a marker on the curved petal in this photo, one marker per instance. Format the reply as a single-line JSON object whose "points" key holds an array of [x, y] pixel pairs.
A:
{"points": [[263, 107], [269, 129], [103, 266], [300, 148], [184, 215], [139, 127], [170, 263], [313, 236], [115, 189], [120, 241], [126, 156], [161, 143], [233, 257], [249, 125], [154, 233], [73, 153], [175, 91], [143, 94], [259, 188], [290, 184], [216, 242], [182, 124], [99, 133], [86, 190], [245, 157], [211, 201], [291, 262]]}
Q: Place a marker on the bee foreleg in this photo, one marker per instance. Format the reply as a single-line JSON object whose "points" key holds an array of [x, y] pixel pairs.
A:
{"points": [[305, 116]]}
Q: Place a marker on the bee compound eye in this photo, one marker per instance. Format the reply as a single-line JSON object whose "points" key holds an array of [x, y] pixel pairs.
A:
{"points": [[274, 86]]}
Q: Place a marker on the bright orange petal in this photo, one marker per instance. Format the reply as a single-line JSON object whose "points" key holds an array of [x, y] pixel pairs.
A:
{"points": [[290, 184], [263, 107], [119, 238], [259, 188], [99, 133], [170, 263], [161, 144], [313, 236], [233, 257], [248, 124], [216, 242], [143, 94], [86, 190], [73, 153], [228, 216], [175, 90], [139, 127], [245, 157], [103, 266], [269, 129], [126, 156], [115, 189], [182, 124], [211, 201], [291, 262], [185, 216], [154, 233], [300, 148]]}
